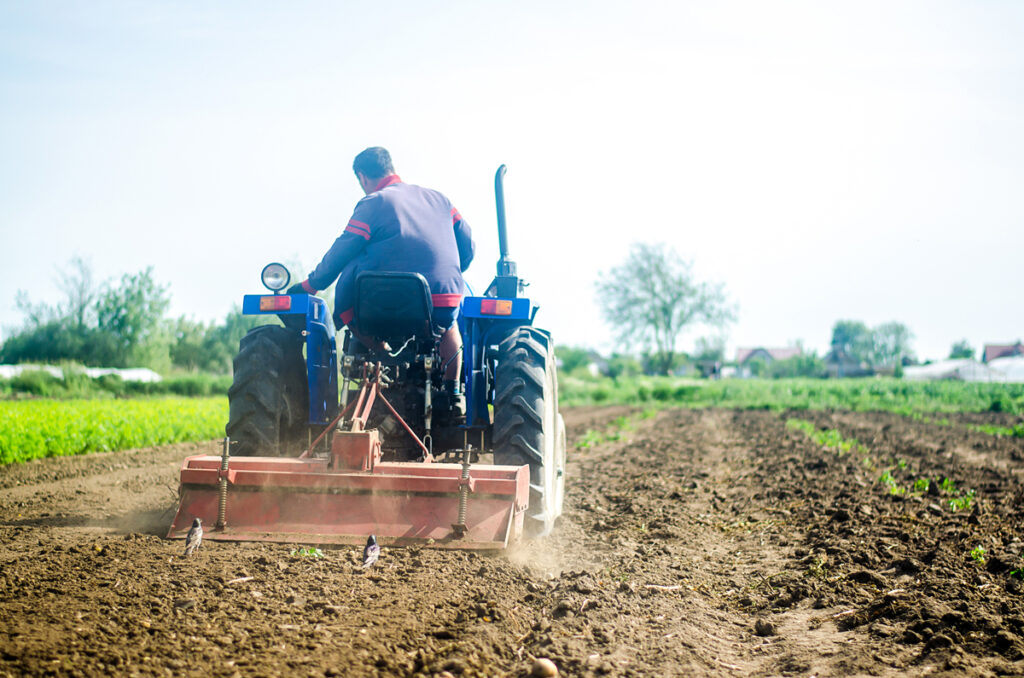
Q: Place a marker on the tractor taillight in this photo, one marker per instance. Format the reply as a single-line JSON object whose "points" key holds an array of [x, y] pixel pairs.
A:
{"points": [[496, 306], [278, 302]]}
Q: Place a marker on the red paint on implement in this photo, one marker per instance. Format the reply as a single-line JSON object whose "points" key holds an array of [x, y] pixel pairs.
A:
{"points": [[304, 500], [350, 493]]}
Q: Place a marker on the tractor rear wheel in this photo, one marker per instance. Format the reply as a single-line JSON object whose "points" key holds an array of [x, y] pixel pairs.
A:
{"points": [[268, 399], [527, 426]]}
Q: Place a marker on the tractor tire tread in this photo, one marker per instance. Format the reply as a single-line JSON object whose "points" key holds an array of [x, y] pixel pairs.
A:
{"points": [[268, 399], [525, 360]]}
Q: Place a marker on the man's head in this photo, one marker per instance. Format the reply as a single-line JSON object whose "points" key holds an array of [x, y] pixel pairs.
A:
{"points": [[371, 166]]}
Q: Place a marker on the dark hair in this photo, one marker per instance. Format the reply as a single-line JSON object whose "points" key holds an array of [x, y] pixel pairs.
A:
{"points": [[374, 162]]}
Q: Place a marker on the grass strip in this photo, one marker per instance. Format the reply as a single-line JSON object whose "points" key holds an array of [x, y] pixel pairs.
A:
{"points": [[873, 394]]}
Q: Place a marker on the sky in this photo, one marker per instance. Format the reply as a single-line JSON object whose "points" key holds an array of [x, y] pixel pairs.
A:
{"points": [[824, 161]]}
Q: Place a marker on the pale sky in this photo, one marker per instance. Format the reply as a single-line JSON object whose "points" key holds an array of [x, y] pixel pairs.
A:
{"points": [[824, 161]]}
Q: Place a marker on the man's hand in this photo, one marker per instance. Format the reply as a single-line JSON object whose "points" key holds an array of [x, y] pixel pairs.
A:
{"points": [[297, 288]]}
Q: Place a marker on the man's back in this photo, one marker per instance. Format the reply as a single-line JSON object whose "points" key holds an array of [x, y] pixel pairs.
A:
{"points": [[396, 227], [416, 229]]}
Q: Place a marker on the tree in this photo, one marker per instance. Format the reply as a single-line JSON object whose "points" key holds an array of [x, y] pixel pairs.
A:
{"points": [[961, 349], [623, 365], [187, 340], [652, 363], [852, 338], [59, 332], [883, 346], [652, 297], [709, 350], [890, 344], [571, 358], [121, 324], [221, 342], [130, 314], [803, 365], [80, 292]]}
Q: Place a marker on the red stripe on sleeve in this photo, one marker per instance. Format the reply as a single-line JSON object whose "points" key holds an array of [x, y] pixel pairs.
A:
{"points": [[456, 217], [359, 228], [309, 288], [346, 316]]}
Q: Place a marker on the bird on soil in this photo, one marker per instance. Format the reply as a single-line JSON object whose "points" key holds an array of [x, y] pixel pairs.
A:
{"points": [[371, 552], [194, 538]]}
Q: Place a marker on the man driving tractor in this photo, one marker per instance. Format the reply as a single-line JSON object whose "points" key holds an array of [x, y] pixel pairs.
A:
{"points": [[399, 227]]}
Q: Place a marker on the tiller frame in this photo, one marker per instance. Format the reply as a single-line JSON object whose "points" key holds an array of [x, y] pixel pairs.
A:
{"points": [[344, 494]]}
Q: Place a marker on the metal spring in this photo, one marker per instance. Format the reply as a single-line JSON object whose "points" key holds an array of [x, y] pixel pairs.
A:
{"points": [[464, 489], [222, 500]]}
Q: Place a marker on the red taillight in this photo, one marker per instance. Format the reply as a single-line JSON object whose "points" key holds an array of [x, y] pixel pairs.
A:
{"points": [[496, 306], [278, 302]]}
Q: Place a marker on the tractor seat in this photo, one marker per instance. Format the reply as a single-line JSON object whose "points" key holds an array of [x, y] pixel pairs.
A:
{"points": [[393, 306]]}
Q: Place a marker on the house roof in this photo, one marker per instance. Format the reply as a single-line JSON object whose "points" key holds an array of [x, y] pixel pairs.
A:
{"points": [[993, 351], [745, 354]]}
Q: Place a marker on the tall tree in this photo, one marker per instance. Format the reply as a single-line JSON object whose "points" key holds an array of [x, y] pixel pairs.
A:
{"points": [[131, 314], [80, 292], [652, 297], [890, 344], [852, 338], [62, 331], [187, 339]]}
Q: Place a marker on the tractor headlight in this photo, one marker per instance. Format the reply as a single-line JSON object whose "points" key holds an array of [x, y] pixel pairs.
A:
{"points": [[275, 277]]}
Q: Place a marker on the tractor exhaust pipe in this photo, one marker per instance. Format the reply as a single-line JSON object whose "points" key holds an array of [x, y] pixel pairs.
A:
{"points": [[507, 283], [499, 200]]}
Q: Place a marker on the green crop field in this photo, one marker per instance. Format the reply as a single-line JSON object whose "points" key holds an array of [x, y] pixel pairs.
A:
{"points": [[45, 428], [870, 394], [30, 429]]}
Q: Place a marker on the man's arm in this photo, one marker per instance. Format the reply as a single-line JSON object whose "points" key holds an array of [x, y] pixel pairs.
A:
{"points": [[347, 247], [464, 240]]}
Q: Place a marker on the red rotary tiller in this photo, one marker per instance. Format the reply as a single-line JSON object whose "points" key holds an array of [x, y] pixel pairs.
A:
{"points": [[342, 494]]}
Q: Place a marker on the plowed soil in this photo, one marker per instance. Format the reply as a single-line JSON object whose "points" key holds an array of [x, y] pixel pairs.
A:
{"points": [[709, 542]]}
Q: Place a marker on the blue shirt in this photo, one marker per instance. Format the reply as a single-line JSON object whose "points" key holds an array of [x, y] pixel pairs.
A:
{"points": [[402, 227]]}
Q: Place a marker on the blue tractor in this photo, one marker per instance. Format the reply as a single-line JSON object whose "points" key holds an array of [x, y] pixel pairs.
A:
{"points": [[291, 391]]}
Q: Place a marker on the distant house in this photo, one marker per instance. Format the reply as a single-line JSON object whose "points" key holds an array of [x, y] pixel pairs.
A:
{"points": [[840, 364], [745, 356], [769, 355], [993, 351]]}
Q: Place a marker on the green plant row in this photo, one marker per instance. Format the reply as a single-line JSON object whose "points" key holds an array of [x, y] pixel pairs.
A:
{"points": [[76, 384], [30, 429], [1014, 431], [830, 438], [615, 431], [868, 394], [957, 500]]}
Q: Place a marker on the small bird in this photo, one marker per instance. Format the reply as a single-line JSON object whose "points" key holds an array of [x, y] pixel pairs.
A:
{"points": [[195, 537], [371, 553]]}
